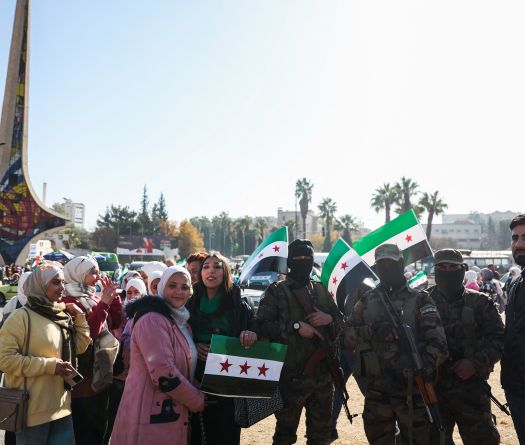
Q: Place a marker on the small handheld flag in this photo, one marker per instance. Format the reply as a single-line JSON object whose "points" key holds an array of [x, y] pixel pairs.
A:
{"points": [[234, 371], [270, 255], [405, 231], [343, 271]]}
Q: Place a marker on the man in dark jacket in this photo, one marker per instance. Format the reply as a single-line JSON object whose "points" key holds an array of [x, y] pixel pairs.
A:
{"points": [[300, 313], [513, 361]]}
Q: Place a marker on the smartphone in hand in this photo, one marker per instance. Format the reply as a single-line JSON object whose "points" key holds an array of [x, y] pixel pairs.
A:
{"points": [[74, 378]]}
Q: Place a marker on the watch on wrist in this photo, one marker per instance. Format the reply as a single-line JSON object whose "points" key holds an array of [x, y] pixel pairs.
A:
{"points": [[296, 325]]}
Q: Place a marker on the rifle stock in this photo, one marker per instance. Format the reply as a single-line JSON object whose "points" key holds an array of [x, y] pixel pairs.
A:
{"points": [[423, 383]]}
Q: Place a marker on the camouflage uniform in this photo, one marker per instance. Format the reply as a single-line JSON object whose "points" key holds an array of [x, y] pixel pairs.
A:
{"points": [[384, 364], [278, 310], [474, 331]]}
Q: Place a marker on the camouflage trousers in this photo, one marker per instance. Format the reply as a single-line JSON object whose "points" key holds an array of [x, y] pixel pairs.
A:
{"points": [[317, 398], [383, 409], [468, 406]]}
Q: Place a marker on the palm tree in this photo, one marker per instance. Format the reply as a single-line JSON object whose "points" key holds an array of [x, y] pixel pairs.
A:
{"points": [[327, 210], [291, 228], [204, 226], [434, 205], [303, 192], [346, 224], [259, 228], [243, 225], [406, 188], [384, 198]]}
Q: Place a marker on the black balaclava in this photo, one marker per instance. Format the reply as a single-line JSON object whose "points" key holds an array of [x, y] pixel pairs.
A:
{"points": [[300, 270], [391, 273], [450, 283]]}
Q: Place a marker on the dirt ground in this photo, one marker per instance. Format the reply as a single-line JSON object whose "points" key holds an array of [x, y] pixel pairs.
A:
{"points": [[261, 433]]}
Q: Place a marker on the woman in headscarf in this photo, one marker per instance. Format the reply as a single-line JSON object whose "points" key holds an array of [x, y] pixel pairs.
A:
{"points": [[19, 300], [153, 282], [90, 397], [471, 280], [135, 288], [492, 288], [217, 308], [159, 395], [58, 332]]}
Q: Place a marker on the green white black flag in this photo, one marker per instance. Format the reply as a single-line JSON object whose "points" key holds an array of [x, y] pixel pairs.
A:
{"points": [[405, 231], [270, 256], [233, 371], [343, 271]]}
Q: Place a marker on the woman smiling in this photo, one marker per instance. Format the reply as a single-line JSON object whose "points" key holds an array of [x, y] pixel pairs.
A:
{"points": [[159, 395], [217, 308]]}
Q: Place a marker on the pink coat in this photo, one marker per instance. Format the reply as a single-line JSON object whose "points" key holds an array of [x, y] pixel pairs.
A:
{"points": [[157, 394]]}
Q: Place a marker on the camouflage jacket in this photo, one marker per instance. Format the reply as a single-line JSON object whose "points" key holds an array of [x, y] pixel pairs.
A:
{"points": [[384, 363], [473, 328], [279, 309]]}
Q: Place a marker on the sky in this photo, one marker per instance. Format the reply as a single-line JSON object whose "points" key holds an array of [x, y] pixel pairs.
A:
{"points": [[222, 105]]}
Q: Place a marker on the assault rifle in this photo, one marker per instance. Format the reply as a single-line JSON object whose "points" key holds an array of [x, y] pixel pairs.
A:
{"points": [[488, 390], [326, 351], [424, 385]]}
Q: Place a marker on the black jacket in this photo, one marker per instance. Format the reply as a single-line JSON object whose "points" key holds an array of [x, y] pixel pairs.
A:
{"points": [[513, 360]]}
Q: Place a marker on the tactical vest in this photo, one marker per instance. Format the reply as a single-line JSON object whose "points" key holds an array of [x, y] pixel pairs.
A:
{"points": [[299, 348], [372, 356], [469, 341]]}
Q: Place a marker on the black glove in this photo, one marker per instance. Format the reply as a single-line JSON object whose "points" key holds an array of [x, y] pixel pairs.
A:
{"points": [[381, 330]]}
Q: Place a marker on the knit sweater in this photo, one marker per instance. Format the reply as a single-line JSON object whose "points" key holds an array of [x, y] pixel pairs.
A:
{"points": [[48, 400]]}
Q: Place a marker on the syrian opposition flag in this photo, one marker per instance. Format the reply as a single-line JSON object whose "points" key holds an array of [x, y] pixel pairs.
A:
{"points": [[270, 255], [405, 231], [419, 279], [343, 271], [233, 371]]}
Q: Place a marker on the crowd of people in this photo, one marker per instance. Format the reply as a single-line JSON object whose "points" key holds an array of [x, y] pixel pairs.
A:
{"points": [[123, 365]]}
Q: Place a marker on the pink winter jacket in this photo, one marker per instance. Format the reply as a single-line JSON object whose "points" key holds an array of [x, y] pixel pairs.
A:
{"points": [[157, 394]]}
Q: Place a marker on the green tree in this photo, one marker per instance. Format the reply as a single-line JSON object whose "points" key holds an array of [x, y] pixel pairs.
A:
{"points": [[291, 229], [122, 220], [346, 224], [144, 218], [259, 227], [158, 213], [434, 205], [406, 189], [327, 210], [242, 225], [203, 225], [384, 198], [303, 192], [59, 208]]}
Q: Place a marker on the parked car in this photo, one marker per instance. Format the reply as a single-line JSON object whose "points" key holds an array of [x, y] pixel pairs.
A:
{"points": [[256, 286], [8, 291]]}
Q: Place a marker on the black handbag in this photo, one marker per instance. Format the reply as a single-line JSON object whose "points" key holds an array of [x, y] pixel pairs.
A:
{"points": [[14, 402], [250, 410]]}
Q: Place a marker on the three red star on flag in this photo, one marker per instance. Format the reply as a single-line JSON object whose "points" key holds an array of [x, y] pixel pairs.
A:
{"points": [[225, 366], [334, 280], [408, 238], [276, 248], [344, 266]]}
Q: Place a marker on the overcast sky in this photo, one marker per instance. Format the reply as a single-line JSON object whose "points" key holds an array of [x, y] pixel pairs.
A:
{"points": [[223, 105]]}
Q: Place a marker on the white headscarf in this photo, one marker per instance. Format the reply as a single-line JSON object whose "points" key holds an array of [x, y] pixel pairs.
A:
{"points": [[20, 297], [167, 274], [153, 276], [36, 283], [138, 284], [471, 277], [75, 272], [153, 266]]}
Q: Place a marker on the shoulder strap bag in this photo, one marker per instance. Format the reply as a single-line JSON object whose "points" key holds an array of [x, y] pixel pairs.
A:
{"points": [[13, 402]]}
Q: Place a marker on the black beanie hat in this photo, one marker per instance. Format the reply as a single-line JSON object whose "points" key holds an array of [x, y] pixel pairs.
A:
{"points": [[300, 247]]}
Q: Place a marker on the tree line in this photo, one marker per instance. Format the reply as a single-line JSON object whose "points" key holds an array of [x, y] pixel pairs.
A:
{"points": [[240, 236]]}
